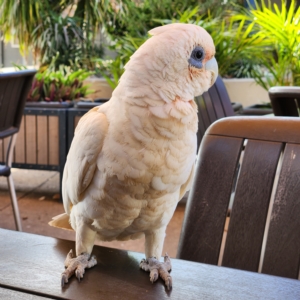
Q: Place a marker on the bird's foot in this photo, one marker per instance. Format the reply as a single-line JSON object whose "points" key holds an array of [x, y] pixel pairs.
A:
{"points": [[157, 268], [77, 265]]}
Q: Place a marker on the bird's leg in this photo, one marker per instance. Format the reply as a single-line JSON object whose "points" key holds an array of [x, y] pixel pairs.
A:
{"points": [[85, 238], [153, 247]]}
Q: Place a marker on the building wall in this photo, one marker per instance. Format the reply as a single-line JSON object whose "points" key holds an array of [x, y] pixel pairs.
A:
{"points": [[10, 56]]}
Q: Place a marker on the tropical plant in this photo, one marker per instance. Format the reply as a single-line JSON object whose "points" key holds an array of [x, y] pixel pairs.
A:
{"points": [[136, 18], [39, 25], [279, 29], [112, 69], [236, 48], [58, 36], [61, 85]]}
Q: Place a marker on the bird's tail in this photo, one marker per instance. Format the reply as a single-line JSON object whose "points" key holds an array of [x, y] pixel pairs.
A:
{"points": [[61, 221]]}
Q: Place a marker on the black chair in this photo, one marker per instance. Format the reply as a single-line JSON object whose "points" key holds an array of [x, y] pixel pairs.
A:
{"points": [[14, 88], [263, 234], [285, 100], [212, 105]]}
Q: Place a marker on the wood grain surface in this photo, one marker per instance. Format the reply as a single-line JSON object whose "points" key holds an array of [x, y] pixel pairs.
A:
{"points": [[8, 294], [251, 203], [283, 244], [33, 264], [208, 200]]}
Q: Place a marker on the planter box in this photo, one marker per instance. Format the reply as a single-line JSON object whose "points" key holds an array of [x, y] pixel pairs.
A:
{"points": [[45, 104], [101, 89], [42, 140], [245, 91], [74, 115], [45, 135]]}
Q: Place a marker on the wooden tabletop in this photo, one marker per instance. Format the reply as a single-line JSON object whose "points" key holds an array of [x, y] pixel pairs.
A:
{"points": [[30, 268]]}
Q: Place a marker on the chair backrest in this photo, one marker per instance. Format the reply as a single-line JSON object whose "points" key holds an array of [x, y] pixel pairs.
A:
{"points": [[258, 158], [285, 100], [212, 105], [14, 88]]}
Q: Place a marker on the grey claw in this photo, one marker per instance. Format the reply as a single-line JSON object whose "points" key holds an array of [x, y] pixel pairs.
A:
{"points": [[78, 275], [169, 283], [64, 279], [154, 277]]}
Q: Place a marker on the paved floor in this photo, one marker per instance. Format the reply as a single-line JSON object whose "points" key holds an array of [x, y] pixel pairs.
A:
{"points": [[38, 198]]}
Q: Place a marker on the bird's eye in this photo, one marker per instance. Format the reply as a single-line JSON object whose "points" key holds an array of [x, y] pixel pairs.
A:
{"points": [[198, 53], [197, 57]]}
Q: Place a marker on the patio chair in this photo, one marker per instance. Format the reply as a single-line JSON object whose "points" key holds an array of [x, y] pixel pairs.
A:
{"points": [[263, 234], [14, 88], [212, 105], [285, 100]]}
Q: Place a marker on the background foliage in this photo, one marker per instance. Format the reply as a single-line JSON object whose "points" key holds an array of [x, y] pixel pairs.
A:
{"points": [[260, 42]]}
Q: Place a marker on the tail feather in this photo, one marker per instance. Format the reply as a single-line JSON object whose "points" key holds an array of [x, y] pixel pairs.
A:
{"points": [[61, 221]]}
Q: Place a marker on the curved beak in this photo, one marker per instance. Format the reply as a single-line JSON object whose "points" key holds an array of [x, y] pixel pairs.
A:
{"points": [[212, 65]]}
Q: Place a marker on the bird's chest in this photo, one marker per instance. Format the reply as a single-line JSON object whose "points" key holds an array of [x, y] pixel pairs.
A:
{"points": [[149, 167], [126, 212], [138, 179]]}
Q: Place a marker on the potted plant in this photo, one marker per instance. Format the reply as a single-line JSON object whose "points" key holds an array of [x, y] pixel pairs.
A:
{"points": [[58, 88]]}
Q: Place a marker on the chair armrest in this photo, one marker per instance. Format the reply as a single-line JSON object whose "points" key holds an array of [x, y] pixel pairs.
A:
{"points": [[284, 92], [285, 100]]}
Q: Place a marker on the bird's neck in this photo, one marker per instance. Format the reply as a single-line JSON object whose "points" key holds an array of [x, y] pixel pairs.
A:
{"points": [[157, 103]]}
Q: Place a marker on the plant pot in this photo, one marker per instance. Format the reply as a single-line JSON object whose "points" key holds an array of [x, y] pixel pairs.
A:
{"points": [[42, 139], [90, 104], [50, 104], [101, 89], [75, 113]]}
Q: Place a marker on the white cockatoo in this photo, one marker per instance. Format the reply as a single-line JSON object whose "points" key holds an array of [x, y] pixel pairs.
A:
{"points": [[132, 158]]}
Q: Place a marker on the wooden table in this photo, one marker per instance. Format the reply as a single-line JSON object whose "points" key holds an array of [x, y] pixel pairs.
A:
{"points": [[30, 268]]}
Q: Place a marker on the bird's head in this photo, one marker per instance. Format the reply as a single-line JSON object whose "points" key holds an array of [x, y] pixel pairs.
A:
{"points": [[177, 62]]}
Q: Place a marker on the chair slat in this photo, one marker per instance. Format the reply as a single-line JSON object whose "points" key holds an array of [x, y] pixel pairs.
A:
{"points": [[209, 197], [5, 89], [222, 92], [212, 105], [282, 253], [201, 127], [210, 102], [251, 203], [202, 111], [14, 96]]}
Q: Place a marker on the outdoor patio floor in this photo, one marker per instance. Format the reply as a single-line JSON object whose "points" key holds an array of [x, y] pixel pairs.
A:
{"points": [[38, 198]]}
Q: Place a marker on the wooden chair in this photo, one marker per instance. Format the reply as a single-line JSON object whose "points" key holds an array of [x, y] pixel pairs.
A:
{"points": [[264, 225], [285, 100], [212, 105], [14, 88]]}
